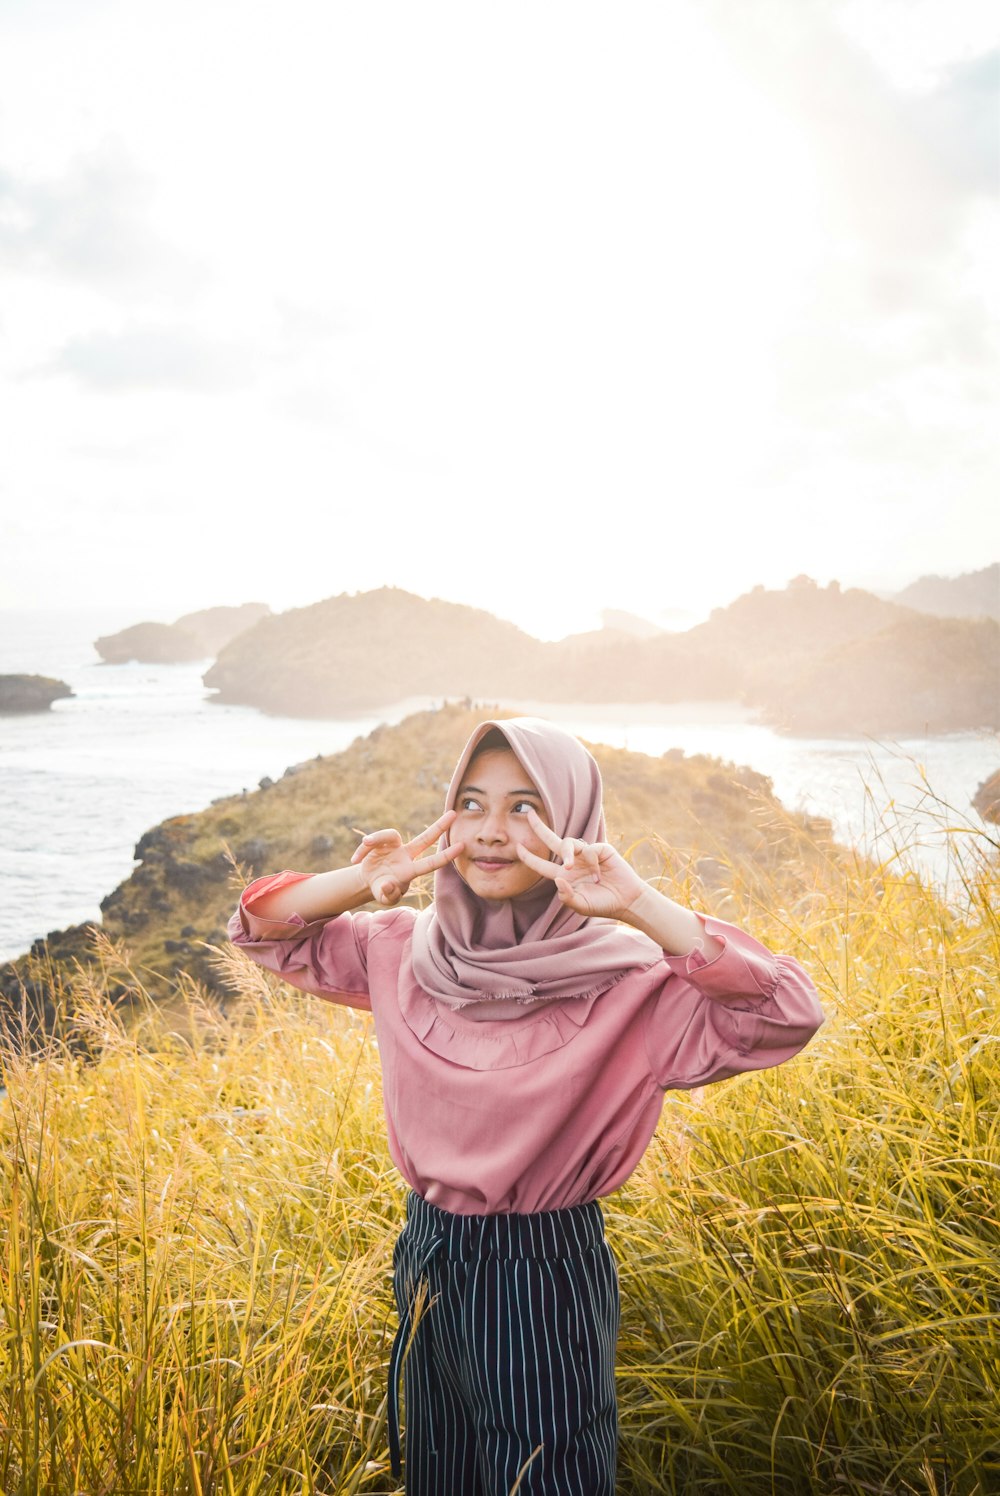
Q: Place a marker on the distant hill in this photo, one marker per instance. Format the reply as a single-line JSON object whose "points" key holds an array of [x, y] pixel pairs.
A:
{"points": [[825, 660], [194, 636], [708, 814], [369, 650], [802, 619], [214, 627], [974, 594], [356, 652], [366, 650], [610, 667], [621, 621], [922, 674]]}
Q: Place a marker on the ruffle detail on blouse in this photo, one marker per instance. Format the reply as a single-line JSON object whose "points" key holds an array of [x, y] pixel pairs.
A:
{"points": [[499, 1043], [531, 999]]}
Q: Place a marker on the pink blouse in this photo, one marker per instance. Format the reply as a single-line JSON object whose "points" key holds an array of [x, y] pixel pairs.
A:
{"points": [[554, 1108]]}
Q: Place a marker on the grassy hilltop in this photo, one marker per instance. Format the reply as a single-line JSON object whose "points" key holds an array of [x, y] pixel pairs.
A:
{"points": [[197, 1208], [185, 887]]}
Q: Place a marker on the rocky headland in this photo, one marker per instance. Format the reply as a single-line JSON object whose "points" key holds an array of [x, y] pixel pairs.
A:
{"points": [[194, 636], [30, 693], [807, 659], [693, 818], [921, 675]]}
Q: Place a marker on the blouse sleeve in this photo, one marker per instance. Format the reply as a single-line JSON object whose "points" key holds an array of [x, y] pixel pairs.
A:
{"points": [[746, 1009], [328, 957]]}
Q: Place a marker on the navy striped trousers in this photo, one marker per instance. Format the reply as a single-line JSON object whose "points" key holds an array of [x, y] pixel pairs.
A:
{"points": [[507, 1329]]}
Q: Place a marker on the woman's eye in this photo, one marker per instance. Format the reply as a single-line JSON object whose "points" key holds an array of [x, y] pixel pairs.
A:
{"points": [[467, 802], [523, 806]]}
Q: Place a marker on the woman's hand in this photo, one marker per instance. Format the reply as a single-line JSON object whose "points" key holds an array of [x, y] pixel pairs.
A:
{"points": [[590, 877], [389, 865]]}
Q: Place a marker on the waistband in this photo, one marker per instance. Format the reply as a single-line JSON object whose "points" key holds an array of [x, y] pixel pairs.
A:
{"points": [[547, 1233]]}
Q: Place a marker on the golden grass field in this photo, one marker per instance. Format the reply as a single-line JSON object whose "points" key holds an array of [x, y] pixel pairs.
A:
{"points": [[197, 1211]]}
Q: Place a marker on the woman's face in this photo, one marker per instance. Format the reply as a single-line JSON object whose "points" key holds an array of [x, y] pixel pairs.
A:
{"points": [[492, 820]]}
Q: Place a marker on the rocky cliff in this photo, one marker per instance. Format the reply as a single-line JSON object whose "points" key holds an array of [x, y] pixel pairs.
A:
{"points": [[30, 693], [987, 798]]}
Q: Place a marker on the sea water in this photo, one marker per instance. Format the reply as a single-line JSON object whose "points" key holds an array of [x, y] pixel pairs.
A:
{"points": [[81, 782]]}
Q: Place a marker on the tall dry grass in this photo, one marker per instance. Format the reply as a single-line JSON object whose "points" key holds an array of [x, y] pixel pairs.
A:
{"points": [[198, 1210]]}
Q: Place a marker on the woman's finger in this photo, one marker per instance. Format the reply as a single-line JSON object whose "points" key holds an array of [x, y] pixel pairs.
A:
{"points": [[584, 897], [385, 890], [388, 837], [574, 851], [430, 864], [539, 864], [429, 837], [568, 848], [544, 833], [377, 841]]}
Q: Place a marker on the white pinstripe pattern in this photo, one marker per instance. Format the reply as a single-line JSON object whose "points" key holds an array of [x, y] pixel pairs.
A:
{"points": [[510, 1376]]}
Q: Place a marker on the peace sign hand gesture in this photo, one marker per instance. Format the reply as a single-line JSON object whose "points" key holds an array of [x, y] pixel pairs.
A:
{"points": [[590, 877], [389, 865]]}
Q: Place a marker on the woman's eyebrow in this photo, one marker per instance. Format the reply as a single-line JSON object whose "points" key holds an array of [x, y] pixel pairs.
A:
{"points": [[475, 789]]}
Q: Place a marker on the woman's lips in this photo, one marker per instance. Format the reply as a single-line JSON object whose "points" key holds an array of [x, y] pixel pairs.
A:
{"points": [[490, 864]]}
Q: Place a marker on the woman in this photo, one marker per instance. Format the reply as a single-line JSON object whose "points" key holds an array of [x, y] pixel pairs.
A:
{"points": [[528, 1022]]}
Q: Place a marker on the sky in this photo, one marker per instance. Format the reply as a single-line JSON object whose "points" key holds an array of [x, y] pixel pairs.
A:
{"points": [[546, 307]]}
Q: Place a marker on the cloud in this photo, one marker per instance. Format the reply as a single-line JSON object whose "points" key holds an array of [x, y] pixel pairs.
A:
{"points": [[90, 224], [152, 358], [958, 123], [901, 177], [303, 327], [894, 169]]}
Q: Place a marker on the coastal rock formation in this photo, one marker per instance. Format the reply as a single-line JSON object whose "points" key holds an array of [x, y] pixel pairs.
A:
{"points": [[30, 693], [359, 652], [673, 814], [922, 675], [194, 636], [809, 659], [151, 644], [987, 798]]}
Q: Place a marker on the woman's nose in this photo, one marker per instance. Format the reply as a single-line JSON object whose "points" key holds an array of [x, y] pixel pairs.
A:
{"points": [[492, 828]]}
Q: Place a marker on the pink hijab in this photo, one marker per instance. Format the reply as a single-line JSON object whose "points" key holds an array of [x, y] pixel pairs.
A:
{"points": [[531, 948]]}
